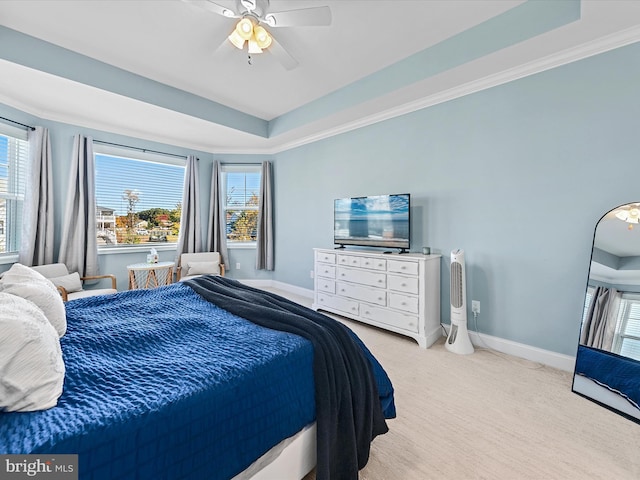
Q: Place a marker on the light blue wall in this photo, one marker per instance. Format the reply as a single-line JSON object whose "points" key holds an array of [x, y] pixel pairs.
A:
{"points": [[517, 176], [62, 148]]}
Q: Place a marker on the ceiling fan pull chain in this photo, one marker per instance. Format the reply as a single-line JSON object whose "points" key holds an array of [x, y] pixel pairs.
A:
{"points": [[249, 60]]}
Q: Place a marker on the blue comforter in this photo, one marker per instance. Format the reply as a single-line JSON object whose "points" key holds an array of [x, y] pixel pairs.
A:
{"points": [[617, 373], [349, 382], [163, 384]]}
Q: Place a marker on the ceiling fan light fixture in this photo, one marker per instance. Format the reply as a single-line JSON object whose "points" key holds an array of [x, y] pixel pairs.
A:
{"points": [[262, 37], [236, 40], [630, 215], [253, 46], [244, 28]]}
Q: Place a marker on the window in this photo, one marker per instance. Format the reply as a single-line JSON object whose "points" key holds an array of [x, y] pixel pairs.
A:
{"points": [[14, 155], [587, 302], [241, 184], [626, 341], [138, 198]]}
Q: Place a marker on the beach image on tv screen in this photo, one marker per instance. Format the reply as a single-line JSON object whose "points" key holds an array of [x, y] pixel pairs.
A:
{"points": [[373, 221]]}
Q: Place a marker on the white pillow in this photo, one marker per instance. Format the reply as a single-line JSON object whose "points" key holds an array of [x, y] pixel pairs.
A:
{"points": [[71, 283], [31, 365], [31, 285], [203, 268]]}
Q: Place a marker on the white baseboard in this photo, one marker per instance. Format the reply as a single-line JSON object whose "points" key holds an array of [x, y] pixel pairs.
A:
{"points": [[521, 350], [480, 340]]}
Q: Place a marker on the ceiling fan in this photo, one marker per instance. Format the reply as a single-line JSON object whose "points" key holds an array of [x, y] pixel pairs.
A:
{"points": [[255, 17]]}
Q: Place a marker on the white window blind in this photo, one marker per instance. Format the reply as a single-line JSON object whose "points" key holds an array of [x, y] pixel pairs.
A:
{"points": [[627, 338], [587, 302], [14, 156], [138, 200], [241, 184]]}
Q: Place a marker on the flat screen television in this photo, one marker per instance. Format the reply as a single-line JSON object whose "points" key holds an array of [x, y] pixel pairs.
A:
{"points": [[374, 221]]}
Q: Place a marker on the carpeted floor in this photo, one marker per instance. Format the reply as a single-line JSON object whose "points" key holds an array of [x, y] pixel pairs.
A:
{"points": [[490, 416]]}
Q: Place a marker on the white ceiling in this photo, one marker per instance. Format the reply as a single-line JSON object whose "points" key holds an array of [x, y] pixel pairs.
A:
{"points": [[176, 43], [613, 236]]}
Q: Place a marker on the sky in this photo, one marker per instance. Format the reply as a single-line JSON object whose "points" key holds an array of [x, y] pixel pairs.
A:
{"points": [[160, 185]]}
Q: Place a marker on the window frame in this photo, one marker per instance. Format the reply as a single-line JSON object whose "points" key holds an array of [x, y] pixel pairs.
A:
{"points": [[239, 168], [627, 301], [15, 227], [138, 155]]}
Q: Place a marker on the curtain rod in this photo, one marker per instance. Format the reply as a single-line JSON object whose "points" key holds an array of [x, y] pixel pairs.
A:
{"points": [[18, 123], [143, 150]]}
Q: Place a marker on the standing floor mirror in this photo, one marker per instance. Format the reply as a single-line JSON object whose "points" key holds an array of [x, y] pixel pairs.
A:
{"points": [[608, 359]]}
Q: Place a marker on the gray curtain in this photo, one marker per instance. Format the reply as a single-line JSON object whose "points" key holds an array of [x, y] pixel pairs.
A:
{"points": [[600, 322], [264, 247], [190, 238], [37, 224], [217, 231], [79, 245]]}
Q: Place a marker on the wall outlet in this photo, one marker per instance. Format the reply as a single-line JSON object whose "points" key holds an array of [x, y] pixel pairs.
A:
{"points": [[475, 306], [238, 266], [311, 274]]}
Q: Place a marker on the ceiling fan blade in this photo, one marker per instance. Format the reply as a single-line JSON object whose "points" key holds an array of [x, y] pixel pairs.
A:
{"points": [[303, 17], [284, 57], [213, 7]]}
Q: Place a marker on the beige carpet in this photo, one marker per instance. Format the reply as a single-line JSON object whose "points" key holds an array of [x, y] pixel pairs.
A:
{"points": [[490, 416]]}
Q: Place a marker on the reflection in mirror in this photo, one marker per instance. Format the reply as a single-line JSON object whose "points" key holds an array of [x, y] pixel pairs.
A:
{"points": [[608, 357]]}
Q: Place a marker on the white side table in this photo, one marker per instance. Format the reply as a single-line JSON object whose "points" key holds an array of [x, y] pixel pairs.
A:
{"points": [[150, 275]]}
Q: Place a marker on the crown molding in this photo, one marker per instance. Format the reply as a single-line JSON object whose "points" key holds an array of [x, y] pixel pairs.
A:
{"points": [[564, 57], [273, 146]]}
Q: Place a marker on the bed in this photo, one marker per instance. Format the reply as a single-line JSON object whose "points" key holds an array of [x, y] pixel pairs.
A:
{"points": [[207, 378], [609, 379]]}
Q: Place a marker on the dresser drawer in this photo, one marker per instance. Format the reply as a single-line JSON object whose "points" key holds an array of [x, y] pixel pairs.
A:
{"points": [[403, 284], [395, 319], [338, 303], [403, 302], [349, 260], [325, 270], [358, 292], [326, 257], [363, 277], [398, 266], [373, 263], [325, 285]]}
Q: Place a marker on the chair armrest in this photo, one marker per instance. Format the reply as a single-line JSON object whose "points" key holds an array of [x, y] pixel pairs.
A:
{"points": [[222, 269], [178, 273], [96, 277], [63, 293]]}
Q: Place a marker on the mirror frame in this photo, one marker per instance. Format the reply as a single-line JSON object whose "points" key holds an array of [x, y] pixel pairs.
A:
{"points": [[606, 378]]}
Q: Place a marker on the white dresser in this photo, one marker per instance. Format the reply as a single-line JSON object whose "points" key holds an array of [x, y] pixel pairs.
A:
{"points": [[397, 292]]}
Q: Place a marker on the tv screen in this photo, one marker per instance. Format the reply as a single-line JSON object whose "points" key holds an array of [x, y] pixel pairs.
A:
{"points": [[375, 221]]}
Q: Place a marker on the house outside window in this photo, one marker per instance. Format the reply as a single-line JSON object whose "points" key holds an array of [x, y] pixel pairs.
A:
{"points": [[138, 198], [241, 185], [14, 155]]}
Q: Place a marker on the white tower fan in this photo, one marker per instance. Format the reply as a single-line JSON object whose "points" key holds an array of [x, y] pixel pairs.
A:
{"points": [[458, 340]]}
